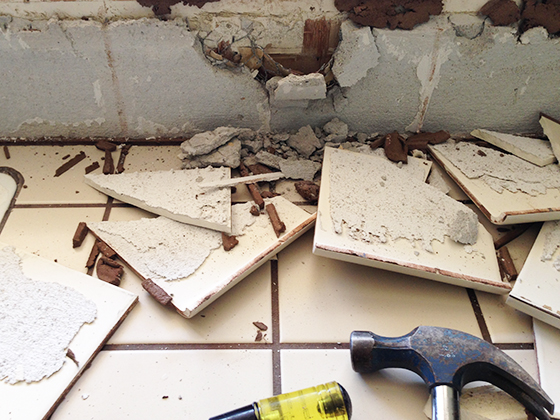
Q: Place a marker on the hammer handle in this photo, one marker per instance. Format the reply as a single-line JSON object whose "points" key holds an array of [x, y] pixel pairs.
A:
{"points": [[445, 403]]}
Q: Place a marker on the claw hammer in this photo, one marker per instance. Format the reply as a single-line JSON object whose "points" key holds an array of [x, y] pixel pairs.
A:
{"points": [[447, 360]]}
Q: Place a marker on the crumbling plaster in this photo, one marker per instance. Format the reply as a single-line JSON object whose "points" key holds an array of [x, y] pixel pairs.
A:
{"points": [[123, 73]]}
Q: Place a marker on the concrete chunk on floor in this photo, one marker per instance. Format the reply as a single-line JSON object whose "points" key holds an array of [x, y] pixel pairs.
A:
{"points": [[204, 143], [305, 142], [175, 194], [227, 155]]}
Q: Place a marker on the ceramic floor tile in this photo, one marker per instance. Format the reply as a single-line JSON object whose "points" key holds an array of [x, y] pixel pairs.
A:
{"points": [[38, 164], [179, 384], [152, 158], [376, 395], [520, 247], [229, 319], [48, 232], [334, 298], [527, 359], [547, 342], [505, 324]]}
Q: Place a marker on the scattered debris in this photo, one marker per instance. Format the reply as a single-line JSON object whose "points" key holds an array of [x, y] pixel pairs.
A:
{"points": [[305, 142], [93, 255], [402, 14], [208, 141], [536, 151], [253, 189], [278, 226], [109, 271], [92, 167], [122, 157], [70, 164], [70, 354], [308, 190], [157, 292], [80, 234], [507, 267], [395, 147], [541, 13], [336, 130], [229, 242], [108, 148], [163, 7], [501, 12], [551, 128], [106, 250], [255, 211], [269, 194], [259, 336], [260, 325], [6, 152], [300, 88], [227, 155]]}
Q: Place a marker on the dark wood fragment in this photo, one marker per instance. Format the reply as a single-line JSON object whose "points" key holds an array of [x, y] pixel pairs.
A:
{"points": [[378, 142], [157, 292], [124, 151], [92, 167], [70, 164], [106, 249], [308, 190], [269, 194], [229, 242], [6, 152], [277, 224], [259, 168], [439, 137], [108, 166], [395, 147], [70, 354], [80, 234], [507, 268], [260, 325], [107, 271], [255, 211], [65, 157], [259, 336], [106, 146], [253, 189], [93, 255]]}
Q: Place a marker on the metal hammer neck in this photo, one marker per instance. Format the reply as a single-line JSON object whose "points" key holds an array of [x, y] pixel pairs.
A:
{"points": [[445, 403]]}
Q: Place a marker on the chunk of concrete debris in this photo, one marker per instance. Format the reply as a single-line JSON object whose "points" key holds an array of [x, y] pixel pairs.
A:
{"points": [[268, 159], [336, 130], [175, 194], [355, 54], [299, 168], [272, 85], [536, 151], [296, 88], [501, 12], [551, 128], [207, 142], [305, 142], [227, 155]]}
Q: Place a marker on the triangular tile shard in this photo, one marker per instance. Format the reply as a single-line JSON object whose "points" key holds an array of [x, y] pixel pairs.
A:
{"points": [[536, 151], [551, 128], [175, 194], [371, 213]]}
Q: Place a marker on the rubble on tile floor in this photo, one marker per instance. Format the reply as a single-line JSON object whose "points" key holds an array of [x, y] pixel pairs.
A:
{"points": [[501, 12]]}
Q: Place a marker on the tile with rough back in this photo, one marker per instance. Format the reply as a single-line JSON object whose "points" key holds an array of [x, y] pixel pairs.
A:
{"points": [[336, 297], [406, 226], [151, 322], [172, 384], [192, 286], [38, 165], [505, 324], [379, 394], [48, 232], [111, 305], [547, 345], [175, 194], [506, 207], [536, 291]]}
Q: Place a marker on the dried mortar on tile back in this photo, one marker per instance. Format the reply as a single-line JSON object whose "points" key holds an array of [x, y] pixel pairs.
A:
{"points": [[379, 202], [38, 321], [551, 244], [500, 170], [164, 249]]}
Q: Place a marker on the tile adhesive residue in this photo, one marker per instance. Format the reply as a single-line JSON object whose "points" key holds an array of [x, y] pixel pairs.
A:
{"points": [[376, 201], [551, 244], [38, 321], [166, 249], [500, 170]]}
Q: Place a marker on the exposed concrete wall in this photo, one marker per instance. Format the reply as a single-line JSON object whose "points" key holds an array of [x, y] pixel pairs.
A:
{"points": [[147, 78]]}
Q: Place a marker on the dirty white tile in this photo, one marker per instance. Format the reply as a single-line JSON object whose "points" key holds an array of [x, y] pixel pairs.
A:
{"points": [[48, 232], [38, 165], [547, 344], [228, 320], [380, 393], [168, 384], [454, 190], [151, 158], [505, 324], [335, 298], [527, 359], [520, 247]]}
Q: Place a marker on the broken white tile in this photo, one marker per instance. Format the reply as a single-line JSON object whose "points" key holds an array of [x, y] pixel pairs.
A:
{"points": [[220, 270], [273, 176], [404, 240], [551, 128], [532, 150], [227, 155], [175, 194], [355, 55], [537, 289], [513, 192], [208, 141], [297, 88], [112, 305], [547, 345]]}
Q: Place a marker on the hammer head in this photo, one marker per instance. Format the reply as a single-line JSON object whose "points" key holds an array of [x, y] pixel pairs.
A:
{"points": [[443, 356]]}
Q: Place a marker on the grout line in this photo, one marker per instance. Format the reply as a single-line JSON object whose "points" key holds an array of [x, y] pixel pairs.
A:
{"points": [[59, 205], [19, 180], [108, 208], [275, 306], [515, 346], [479, 316]]}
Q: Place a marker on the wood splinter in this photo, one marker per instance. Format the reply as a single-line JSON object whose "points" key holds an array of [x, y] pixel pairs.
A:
{"points": [[93, 255], [106, 250], [124, 151], [253, 189], [277, 224], [80, 234], [505, 263], [109, 270], [70, 164], [229, 242], [157, 292]]}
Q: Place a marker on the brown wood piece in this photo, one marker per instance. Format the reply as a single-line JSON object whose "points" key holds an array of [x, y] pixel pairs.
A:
{"points": [[260, 325], [70, 164], [106, 249], [255, 211], [108, 166], [378, 142], [106, 146], [395, 147], [157, 292], [259, 168], [124, 151], [506, 264], [108, 272], [257, 197], [308, 190], [80, 234], [93, 255], [229, 242], [277, 224], [92, 167], [6, 152]]}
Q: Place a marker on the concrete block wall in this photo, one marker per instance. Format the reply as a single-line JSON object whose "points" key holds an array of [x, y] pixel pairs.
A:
{"points": [[111, 69]]}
